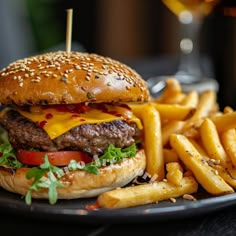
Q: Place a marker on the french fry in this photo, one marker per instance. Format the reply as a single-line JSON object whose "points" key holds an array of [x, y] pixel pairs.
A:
{"points": [[174, 126], [211, 142], [146, 193], [210, 180], [228, 109], [153, 141], [177, 99], [225, 122], [170, 155], [174, 111], [192, 132], [174, 173], [206, 105], [191, 99], [199, 147], [232, 171], [172, 90], [228, 139], [226, 175]]}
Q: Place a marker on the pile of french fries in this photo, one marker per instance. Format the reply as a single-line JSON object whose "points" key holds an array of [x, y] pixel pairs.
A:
{"points": [[188, 142]]}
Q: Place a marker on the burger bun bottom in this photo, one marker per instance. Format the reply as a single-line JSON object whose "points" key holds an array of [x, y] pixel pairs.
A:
{"points": [[78, 183]]}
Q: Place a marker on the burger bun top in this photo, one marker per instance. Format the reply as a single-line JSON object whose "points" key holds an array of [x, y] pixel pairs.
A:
{"points": [[70, 78]]}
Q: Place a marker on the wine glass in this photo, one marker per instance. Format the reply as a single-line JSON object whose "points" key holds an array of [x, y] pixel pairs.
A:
{"points": [[191, 14]]}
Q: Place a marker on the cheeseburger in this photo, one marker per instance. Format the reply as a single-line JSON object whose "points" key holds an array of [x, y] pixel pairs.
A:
{"points": [[70, 130]]}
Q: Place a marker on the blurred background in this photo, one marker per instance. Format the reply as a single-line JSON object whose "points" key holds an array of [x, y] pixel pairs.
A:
{"points": [[142, 33]]}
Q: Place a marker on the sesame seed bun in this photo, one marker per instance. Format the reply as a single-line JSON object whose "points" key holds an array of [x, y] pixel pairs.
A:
{"points": [[69, 78]]}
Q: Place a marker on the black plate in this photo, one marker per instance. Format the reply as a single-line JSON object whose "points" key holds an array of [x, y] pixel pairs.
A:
{"points": [[76, 209]]}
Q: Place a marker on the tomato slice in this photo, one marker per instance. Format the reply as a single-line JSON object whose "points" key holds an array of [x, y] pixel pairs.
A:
{"points": [[60, 158]]}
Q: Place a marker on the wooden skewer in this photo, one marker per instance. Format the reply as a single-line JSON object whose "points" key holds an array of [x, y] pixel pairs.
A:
{"points": [[69, 29]]}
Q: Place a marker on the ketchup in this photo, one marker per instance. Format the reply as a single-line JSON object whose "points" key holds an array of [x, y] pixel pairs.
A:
{"points": [[48, 116], [42, 123], [92, 207]]}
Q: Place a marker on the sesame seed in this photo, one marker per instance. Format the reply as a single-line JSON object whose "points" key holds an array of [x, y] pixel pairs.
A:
{"points": [[35, 80], [22, 65], [83, 88], [77, 67]]}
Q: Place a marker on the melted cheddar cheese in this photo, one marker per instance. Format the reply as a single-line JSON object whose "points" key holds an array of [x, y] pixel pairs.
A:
{"points": [[56, 122]]}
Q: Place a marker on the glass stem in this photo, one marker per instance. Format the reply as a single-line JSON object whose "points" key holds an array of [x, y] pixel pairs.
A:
{"points": [[189, 48]]}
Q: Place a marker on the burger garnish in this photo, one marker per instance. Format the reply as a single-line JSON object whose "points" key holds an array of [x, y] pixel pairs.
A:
{"points": [[71, 131], [8, 156]]}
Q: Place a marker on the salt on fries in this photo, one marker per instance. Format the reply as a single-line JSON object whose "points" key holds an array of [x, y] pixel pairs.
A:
{"points": [[188, 142]]}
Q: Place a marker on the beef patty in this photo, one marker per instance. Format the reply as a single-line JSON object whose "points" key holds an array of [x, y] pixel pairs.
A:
{"points": [[92, 139]]}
